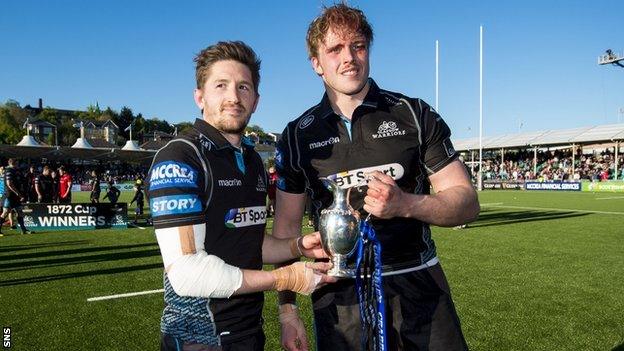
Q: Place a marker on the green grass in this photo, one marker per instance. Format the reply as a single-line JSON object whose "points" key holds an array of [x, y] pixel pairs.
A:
{"points": [[535, 272]]}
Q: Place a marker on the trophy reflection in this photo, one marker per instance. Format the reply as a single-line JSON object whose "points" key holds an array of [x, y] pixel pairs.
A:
{"points": [[340, 229]]}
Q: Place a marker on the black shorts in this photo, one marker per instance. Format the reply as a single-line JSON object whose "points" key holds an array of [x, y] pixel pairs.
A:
{"points": [[11, 202], [420, 314]]}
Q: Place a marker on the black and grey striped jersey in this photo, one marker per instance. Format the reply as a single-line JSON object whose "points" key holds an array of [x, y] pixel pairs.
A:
{"points": [[397, 135]]}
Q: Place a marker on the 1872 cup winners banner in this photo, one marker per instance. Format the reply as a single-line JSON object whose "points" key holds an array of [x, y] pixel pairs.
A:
{"points": [[77, 216], [342, 234]]}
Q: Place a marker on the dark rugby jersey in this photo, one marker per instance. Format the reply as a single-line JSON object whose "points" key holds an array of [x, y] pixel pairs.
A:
{"points": [[13, 175], [201, 178], [400, 136], [96, 188], [45, 187]]}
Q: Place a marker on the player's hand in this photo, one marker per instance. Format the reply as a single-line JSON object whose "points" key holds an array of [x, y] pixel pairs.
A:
{"points": [[310, 246], [39, 198], [384, 198], [302, 277], [294, 335]]}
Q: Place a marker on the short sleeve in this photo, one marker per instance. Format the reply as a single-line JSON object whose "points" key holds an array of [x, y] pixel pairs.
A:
{"points": [[289, 177], [177, 186], [437, 145]]}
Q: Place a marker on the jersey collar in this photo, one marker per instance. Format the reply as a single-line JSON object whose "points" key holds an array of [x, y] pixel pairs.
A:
{"points": [[371, 100], [216, 137]]}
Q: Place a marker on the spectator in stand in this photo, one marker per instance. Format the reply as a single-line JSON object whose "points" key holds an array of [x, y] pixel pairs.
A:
{"points": [[272, 177], [29, 185], [138, 197], [55, 185], [112, 193], [95, 187], [65, 184], [44, 186]]}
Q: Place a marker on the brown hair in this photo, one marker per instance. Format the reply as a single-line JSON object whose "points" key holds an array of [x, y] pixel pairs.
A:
{"points": [[226, 50], [340, 18]]}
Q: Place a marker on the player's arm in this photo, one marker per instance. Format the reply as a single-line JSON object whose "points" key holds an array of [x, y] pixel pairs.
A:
{"points": [[11, 186], [193, 272], [290, 201], [38, 188], [454, 201], [286, 242], [69, 185]]}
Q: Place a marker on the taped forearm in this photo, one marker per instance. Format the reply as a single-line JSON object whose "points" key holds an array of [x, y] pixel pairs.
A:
{"points": [[204, 275], [286, 296]]}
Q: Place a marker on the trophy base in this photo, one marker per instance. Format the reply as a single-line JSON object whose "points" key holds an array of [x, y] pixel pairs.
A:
{"points": [[341, 272]]}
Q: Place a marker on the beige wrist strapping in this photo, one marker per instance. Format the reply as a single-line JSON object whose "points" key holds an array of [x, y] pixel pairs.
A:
{"points": [[296, 277]]}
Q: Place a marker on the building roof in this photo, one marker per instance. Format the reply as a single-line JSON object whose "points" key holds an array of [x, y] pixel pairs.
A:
{"points": [[41, 123], [583, 135]]}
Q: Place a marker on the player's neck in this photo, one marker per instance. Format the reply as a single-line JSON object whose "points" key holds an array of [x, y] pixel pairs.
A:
{"points": [[234, 139], [344, 104]]}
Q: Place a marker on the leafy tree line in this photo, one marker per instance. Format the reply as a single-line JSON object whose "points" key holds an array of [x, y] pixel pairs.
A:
{"points": [[13, 116]]}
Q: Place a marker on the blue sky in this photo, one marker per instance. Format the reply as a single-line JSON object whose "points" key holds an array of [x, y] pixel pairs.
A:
{"points": [[540, 57]]}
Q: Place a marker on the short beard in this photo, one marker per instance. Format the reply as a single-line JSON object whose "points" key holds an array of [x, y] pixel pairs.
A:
{"points": [[228, 128]]}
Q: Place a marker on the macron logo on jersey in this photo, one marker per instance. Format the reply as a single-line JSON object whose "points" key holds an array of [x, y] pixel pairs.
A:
{"points": [[175, 205], [355, 177], [245, 217], [330, 141], [171, 174]]}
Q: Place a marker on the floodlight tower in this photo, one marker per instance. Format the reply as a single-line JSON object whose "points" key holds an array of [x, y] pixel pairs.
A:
{"points": [[611, 58]]}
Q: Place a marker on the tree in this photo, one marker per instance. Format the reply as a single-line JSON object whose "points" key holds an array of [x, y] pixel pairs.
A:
{"points": [[183, 126], [10, 132], [67, 133], [49, 115], [123, 120]]}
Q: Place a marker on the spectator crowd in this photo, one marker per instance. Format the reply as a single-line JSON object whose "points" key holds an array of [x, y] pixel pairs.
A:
{"points": [[551, 166]]}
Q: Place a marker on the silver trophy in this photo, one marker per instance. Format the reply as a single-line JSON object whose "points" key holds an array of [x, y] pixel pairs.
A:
{"points": [[340, 230]]}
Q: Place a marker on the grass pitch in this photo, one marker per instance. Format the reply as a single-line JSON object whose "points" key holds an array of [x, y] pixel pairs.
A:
{"points": [[537, 271]]}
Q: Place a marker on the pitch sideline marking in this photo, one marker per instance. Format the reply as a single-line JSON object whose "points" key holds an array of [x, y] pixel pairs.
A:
{"points": [[554, 209], [119, 296], [610, 198], [136, 226]]}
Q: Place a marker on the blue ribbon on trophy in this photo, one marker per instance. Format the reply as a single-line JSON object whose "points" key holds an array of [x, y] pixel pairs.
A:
{"points": [[342, 232], [369, 285]]}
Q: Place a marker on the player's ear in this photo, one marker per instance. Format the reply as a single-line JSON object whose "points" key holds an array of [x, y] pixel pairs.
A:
{"points": [[316, 66], [198, 96]]}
